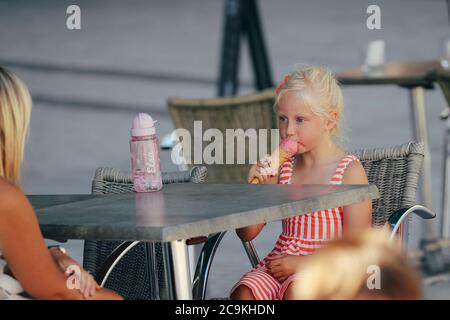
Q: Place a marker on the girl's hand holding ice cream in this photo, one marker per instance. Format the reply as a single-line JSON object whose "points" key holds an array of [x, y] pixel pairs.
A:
{"points": [[270, 164], [262, 170]]}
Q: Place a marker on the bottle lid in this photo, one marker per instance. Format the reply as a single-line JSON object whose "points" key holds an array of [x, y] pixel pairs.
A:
{"points": [[143, 125]]}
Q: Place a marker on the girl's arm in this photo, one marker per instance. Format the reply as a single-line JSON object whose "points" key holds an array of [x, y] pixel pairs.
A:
{"points": [[357, 216], [249, 233], [23, 246]]}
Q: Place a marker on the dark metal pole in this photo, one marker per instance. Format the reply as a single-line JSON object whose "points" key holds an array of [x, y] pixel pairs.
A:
{"points": [[448, 9], [242, 18], [253, 30], [229, 65]]}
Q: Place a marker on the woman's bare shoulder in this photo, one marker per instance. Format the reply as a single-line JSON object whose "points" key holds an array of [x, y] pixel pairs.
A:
{"points": [[10, 195]]}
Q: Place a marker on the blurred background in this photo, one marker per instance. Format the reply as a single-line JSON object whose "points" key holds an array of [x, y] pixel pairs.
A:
{"points": [[129, 56]]}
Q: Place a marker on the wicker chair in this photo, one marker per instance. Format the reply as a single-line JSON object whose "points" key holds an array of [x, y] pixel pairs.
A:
{"points": [[130, 275], [395, 171], [253, 111]]}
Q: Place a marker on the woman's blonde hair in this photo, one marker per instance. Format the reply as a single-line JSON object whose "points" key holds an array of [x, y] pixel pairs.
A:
{"points": [[15, 111], [346, 269], [320, 91]]}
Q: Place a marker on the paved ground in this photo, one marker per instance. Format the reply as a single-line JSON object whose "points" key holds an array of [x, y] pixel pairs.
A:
{"points": [[81, 120]]}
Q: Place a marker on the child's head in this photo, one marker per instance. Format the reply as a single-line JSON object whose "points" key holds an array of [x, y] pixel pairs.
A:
{"points": [[15, 110], [361, 266], [310, 106]]}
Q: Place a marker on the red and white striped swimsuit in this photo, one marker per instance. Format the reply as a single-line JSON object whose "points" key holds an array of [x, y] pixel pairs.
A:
{"points": [[301, 236]]}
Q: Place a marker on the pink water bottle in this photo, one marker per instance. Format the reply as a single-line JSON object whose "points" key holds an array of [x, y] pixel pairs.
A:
{"points": [[145, 161]]}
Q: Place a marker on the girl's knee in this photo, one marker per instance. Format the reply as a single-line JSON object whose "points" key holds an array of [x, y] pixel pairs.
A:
{"points": [[242, 292]]}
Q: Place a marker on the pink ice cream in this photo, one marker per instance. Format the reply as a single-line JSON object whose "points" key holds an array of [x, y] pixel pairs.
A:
{"points": [[289, 147], [286, 150]]}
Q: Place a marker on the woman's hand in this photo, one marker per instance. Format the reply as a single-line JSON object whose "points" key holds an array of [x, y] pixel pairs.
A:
{"points": [[88, 285], [262, 170], [282, 266]]}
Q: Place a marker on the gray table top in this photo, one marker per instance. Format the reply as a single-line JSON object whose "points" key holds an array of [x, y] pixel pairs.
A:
{"points": [[44, 201], [410, 73], [183, 211]]}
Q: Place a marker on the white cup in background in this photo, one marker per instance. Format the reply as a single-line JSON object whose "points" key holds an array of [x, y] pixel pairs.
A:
{"points": [[375, 57], [445, 60]]}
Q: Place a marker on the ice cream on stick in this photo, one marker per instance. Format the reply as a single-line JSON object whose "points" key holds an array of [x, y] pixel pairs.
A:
{"points": [[286, 150]]}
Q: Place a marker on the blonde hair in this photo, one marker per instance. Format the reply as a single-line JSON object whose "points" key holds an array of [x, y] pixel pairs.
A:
{"points": [[319, 91], [15, 110], [342, 270]]}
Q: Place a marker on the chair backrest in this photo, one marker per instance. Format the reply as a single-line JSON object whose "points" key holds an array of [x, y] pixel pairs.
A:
{"points": [[245, 112], [129, 278], [395, 171], [111, 180]]}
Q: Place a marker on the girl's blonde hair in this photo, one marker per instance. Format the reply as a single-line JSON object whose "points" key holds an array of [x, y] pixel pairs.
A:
{"points": [[320, 91], [345, 268], [15, 111]]}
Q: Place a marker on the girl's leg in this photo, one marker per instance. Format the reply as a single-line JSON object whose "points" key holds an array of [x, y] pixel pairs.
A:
{"points": [[242, 292], [256, 285]]}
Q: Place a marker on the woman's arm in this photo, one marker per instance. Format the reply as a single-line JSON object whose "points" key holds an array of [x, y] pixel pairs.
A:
{"points": [[23, 246], [87, 284], [357, 216]]}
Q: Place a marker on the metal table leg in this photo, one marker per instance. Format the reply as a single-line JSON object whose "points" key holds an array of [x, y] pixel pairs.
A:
{"points": [[417, 99], [445, 223], [180, 267], [194, 254]]}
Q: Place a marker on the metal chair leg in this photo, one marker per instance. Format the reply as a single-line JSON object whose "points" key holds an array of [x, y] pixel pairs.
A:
{"points": [[251, 253], [152, 273], [204, 264]]}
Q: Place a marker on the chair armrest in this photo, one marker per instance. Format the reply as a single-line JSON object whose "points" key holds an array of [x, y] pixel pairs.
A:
{"points": [[120, 251], [196, 174], [114, 258], [400, 215]]}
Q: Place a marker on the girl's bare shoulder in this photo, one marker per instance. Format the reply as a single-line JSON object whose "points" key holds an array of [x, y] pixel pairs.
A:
{"points": [[355, 174]]}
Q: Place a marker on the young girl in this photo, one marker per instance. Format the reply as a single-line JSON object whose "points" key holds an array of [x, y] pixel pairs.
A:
{"points": [[41, 272], [309, 105]]}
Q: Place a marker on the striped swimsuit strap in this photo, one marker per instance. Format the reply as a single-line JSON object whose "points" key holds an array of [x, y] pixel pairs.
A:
{"points": [[287, 170]]}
